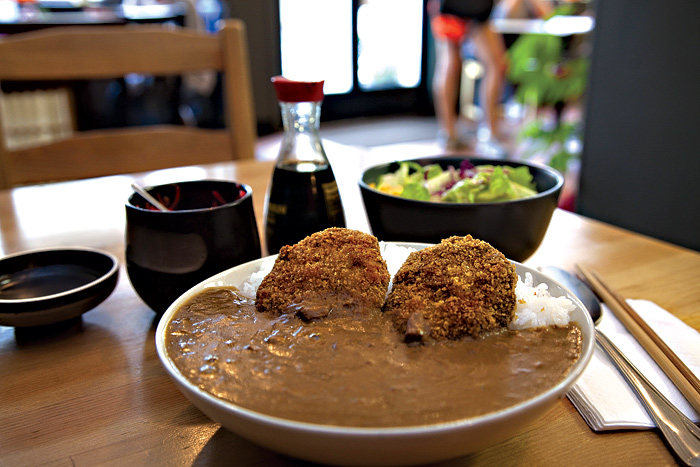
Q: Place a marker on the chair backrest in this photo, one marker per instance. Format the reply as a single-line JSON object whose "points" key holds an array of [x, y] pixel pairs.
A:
{"points": [[99, 52]]}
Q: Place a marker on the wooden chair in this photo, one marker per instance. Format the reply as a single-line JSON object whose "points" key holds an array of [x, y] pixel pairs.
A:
{"points": [[96, 52]]}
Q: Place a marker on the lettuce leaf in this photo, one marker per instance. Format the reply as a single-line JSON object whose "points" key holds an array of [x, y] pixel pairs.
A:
{"points": [[417, 191], [522, 176], [489, 184], [432, 171]]}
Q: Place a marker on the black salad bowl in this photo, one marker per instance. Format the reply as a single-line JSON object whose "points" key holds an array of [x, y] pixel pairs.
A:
{"points": [[515, 227]]}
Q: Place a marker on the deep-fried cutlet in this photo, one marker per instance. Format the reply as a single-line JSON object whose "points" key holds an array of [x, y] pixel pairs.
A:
{"points": [[333, 271], [460, 287]]}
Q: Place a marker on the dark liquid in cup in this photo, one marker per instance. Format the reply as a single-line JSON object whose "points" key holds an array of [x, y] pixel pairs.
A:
{"points": [[303, 199]]}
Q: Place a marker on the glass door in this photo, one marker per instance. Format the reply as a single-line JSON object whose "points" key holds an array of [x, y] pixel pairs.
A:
{"points": [[371, 53]]}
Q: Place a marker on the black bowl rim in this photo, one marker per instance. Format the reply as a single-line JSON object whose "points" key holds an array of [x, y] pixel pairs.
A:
{"points": [[104, 277], [247, 188], [432, 159]]}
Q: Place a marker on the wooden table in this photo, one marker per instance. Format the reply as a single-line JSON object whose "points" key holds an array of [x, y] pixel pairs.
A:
{"points": [[95, 392]]}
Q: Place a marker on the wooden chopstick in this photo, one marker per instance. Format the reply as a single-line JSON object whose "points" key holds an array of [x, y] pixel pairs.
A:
{"points": [[670, 363]]}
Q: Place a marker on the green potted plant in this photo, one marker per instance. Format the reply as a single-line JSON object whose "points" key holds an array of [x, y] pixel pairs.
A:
{"points": [[545, 77]]}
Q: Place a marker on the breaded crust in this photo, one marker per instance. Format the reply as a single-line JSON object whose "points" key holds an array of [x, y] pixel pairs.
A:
{"points": [[332, 271], [460, 287]]}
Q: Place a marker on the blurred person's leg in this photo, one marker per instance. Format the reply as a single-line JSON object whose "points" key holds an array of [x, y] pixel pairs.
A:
{"points": [[448, 68], [449, 33], [491, 53]]}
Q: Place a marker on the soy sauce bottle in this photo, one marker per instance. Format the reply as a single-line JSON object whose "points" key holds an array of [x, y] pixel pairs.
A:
{"points": [[303, 196]]}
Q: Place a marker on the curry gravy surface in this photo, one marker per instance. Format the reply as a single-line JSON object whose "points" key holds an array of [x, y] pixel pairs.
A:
{"points": [[356, 371]]}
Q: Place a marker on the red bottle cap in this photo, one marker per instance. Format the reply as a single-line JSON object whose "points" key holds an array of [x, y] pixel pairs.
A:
{"points": [[297, 91]]}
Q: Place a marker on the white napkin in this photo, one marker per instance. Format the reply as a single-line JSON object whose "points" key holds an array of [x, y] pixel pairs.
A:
{"points": [[603, 397]]}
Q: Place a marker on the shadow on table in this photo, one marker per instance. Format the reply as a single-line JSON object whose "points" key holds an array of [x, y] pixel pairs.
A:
{"points": [[225, 446]]}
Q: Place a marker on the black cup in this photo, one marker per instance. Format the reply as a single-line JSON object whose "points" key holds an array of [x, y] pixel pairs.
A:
{"points": [[211, 227]]}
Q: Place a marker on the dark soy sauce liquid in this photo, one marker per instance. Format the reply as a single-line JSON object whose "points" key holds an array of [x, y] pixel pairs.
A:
{"points": [[303, 199], [41, 281]]}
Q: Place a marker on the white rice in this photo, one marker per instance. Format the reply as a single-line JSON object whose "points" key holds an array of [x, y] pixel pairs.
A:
{"points": [[394, 256], [250, 287], [535, 305]]}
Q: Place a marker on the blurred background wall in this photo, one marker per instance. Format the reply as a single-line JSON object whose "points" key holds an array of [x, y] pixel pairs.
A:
{"points": [[640, 167], [262, 21]]}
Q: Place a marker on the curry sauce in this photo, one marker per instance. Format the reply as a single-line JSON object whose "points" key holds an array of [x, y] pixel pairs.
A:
{"points": [[356, 370]]}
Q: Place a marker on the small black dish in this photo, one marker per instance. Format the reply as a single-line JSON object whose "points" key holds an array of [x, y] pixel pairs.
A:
{"points": [[49, 286]]}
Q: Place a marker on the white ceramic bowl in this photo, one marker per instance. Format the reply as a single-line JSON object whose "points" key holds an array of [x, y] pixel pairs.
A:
{"points": [[339, 445]]}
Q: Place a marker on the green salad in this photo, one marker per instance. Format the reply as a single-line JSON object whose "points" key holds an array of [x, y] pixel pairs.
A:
{"points": [[464, 184]]}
